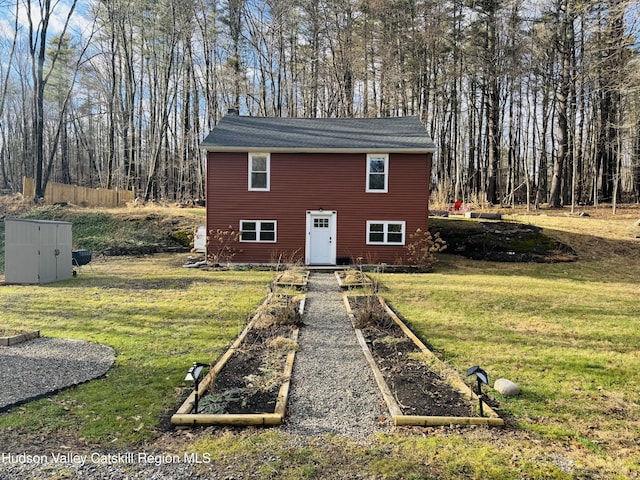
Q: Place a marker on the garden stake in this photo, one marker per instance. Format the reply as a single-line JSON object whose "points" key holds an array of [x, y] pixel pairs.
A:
{"points": [[481, 377]]}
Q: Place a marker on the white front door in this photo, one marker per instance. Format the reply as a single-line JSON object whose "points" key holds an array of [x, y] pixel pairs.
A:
{"points": [[321, 237]]}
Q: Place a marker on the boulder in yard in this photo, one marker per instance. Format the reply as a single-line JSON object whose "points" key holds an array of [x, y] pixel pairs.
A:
{"points": [[506, 387]]}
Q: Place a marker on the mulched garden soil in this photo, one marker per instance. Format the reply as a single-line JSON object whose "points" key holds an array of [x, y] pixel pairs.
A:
{"points": [[232, 392], [418, 390]]}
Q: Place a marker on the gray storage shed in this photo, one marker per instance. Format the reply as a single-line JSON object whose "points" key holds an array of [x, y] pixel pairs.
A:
{"points": [[37, 251]]}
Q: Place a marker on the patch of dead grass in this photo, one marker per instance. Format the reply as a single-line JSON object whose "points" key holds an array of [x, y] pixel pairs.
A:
{"points": [[597, 236], [14, 205], [9, 332], [596, 222]]}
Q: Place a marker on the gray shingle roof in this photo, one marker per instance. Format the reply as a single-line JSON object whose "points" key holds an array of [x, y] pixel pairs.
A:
{"points": [[397, 134]]}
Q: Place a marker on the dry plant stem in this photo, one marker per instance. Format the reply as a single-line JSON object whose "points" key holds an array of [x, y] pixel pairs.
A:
{"points": [[221, 245]]}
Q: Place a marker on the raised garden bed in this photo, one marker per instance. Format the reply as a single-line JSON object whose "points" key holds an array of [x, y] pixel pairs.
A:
{"points": [[13, 337], [249, 384], [417, 387], [292, 278], [353, 279]]}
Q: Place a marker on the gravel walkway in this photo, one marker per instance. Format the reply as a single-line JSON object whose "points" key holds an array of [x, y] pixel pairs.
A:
{"points": [[333, 389], [43, 366]]}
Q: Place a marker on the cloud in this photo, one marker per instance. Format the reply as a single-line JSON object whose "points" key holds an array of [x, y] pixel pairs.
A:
{"points": [[78, 24]]}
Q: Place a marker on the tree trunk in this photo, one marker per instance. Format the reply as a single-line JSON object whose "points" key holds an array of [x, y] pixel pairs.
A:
{"points": [[562, 99]]}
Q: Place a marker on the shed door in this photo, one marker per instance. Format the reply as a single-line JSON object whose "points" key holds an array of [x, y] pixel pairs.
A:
{"points": [[54, 252], [47, 252], [64, 264], [321, 238]]}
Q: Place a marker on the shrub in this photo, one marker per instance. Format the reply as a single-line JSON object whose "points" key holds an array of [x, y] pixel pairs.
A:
{"points": [[221, 245], [183, 237], [422, 248]]}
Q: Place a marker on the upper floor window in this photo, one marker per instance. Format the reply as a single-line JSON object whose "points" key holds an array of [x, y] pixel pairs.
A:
{"points": [[259, 168], [377, 173]]}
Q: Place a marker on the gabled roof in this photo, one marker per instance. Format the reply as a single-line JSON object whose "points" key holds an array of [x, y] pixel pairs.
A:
{"points": [[236, 133]]}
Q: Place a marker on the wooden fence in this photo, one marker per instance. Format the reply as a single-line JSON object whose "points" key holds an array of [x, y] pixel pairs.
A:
{"points": [[83, 196]]}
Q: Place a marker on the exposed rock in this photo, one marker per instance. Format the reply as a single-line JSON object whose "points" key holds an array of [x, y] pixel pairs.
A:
{"points": [[506, 387]]}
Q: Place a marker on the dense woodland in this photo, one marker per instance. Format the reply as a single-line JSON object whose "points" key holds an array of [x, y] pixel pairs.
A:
{"points": [[527, 101]]}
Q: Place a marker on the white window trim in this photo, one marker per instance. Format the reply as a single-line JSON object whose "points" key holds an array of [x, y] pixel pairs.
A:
{"points": [[385, 157], [258, 230], [250, 170], [385, 231]]}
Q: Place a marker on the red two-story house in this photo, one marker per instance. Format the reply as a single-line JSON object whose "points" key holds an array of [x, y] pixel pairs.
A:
{"points": [[322, 191]]}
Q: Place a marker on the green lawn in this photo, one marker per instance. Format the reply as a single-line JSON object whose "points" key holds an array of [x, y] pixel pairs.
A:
{"points": [[567, 333], [158, 317]]}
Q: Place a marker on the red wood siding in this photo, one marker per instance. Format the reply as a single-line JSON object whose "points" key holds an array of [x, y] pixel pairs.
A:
{"points": [[301, 182]]}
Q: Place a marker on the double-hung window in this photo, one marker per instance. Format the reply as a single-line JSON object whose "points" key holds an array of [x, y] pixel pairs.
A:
{"points": [[385, 232], [258, 231], [259, 171], [377, 173]]}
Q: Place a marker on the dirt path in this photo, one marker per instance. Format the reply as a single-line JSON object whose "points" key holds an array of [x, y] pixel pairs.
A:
{"points": [[333, 389]]}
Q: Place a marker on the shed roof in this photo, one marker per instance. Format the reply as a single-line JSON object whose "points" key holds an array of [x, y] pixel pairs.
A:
{"points": [[397, 134], [37, 221]]}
